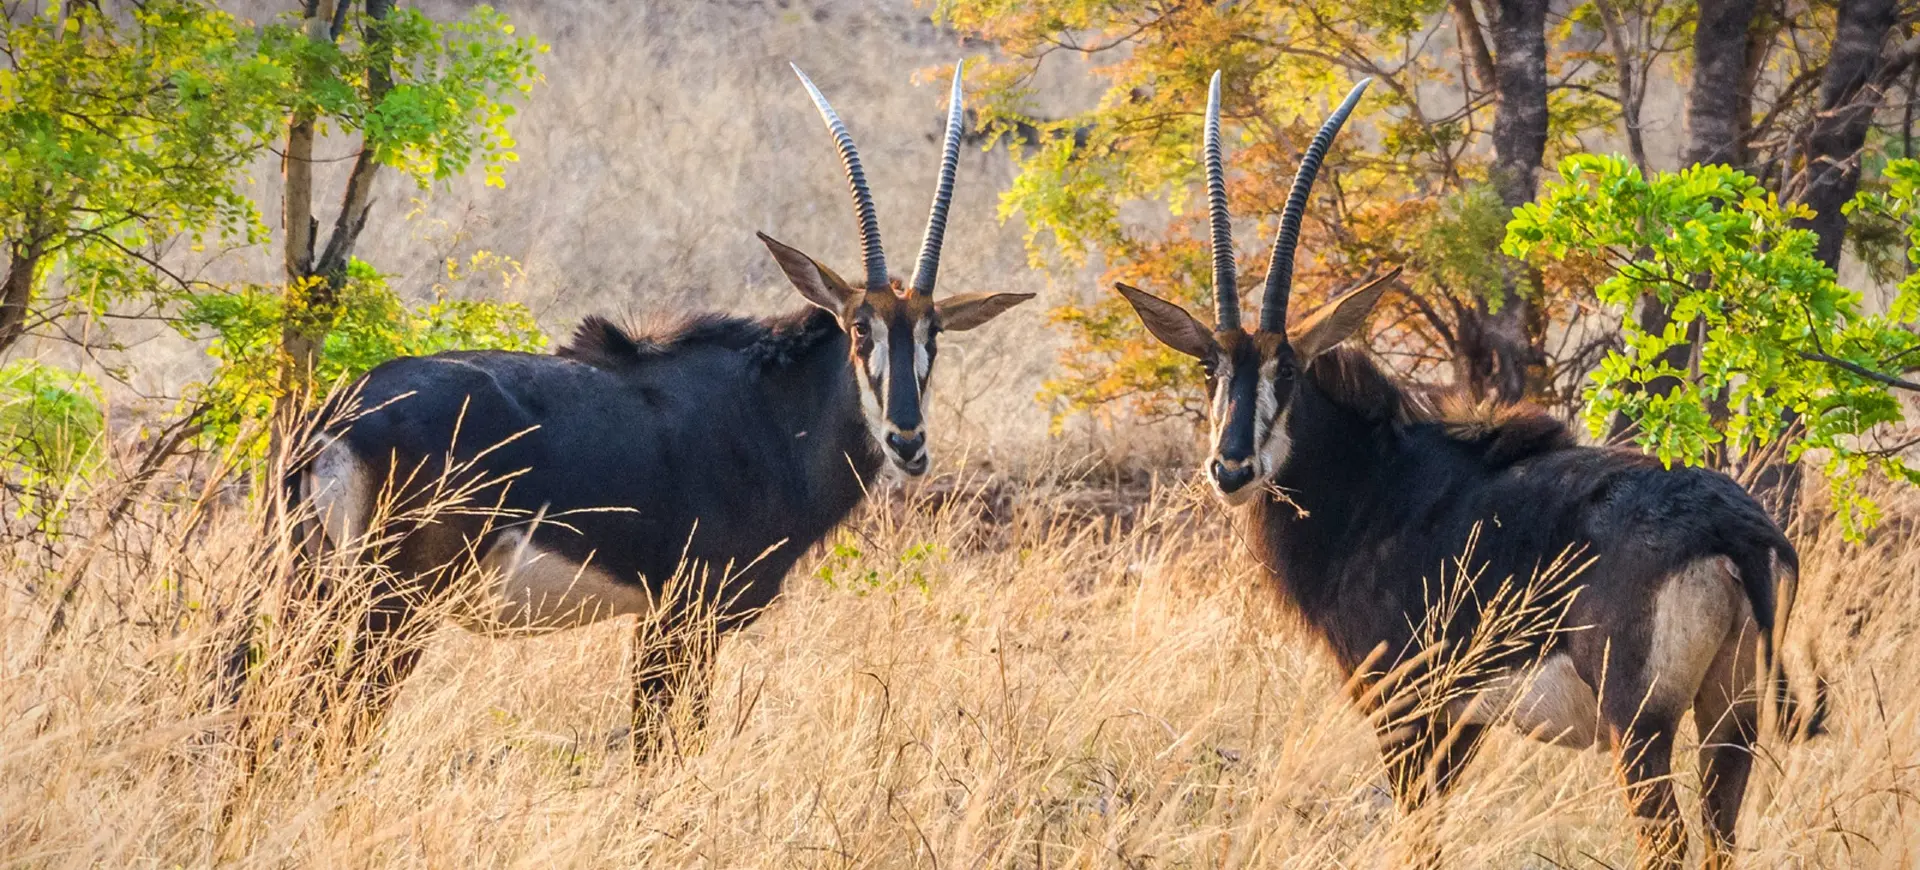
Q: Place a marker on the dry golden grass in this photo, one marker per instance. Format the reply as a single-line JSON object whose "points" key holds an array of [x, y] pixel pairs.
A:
{"points": [[1063, 674]]}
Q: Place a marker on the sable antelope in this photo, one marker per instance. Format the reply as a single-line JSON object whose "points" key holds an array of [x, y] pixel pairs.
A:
{"points": [[1358, 492], [720, 449]]}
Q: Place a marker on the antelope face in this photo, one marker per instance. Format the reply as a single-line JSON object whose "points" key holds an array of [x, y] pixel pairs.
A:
{"points": [[892, 339], [890, 329], [892, 344], [1253, 378], [1250, 379]]}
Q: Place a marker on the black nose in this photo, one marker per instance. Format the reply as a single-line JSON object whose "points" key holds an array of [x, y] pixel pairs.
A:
{"points": [[908, 453], [1230, 479], [906, 447]]}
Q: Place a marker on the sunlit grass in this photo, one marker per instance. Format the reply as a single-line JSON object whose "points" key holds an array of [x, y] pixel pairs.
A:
{"points": [[1107, 685]]}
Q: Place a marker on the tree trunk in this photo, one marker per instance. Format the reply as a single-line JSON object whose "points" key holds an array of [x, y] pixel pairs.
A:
{"points": [[1720, 97], [16, 294], [299, 339], [1474, 43], [1502, 354], [1906, 122], [1719, 114], [1848, 98], [1631, 87], [314, 283]]}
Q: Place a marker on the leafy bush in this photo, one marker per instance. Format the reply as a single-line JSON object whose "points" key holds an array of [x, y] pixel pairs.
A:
{"points": [[1788, 352], [124, 130]]}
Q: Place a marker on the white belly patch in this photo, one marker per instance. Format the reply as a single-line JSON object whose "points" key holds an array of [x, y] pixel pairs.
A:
{"points": [[523, 589], [1548, 702]]}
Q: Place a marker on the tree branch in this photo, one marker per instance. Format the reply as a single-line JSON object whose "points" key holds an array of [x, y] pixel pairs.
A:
{"points": [[358, 198], [1629, 97], [181, 280], [1427, 310], [1473, 44], [1863, 371], [164, 446]]}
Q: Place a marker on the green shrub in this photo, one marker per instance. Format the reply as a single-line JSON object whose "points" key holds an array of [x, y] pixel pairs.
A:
{"points": [[51, 431], [370, 325]]}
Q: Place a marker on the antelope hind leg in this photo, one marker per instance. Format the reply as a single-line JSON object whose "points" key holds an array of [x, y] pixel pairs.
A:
{"points": [[1726, 713], [1665, 661]]}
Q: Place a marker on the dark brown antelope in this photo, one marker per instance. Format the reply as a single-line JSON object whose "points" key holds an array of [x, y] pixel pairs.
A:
{"points": [[1363, 501], [711, 454]]}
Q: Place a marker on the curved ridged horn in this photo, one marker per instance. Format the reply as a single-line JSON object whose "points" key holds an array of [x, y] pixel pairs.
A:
{"points": [[870, 250], [1226, 294], [929, 266], [1273, 308]]}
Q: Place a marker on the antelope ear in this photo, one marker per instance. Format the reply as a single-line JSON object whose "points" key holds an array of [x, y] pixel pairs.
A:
{"points": [[964, 312], [1171, 324], [816, 282], [1340, 318]]}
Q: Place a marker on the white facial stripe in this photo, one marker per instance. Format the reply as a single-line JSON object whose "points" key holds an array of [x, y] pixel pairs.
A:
{"points": [[873, 383], [877, 360], [922, 361], [1275, 444], [1223, 365], [1263, 401]]}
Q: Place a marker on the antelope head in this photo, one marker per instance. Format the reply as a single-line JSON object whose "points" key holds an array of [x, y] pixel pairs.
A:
{"points": [[1252, 376], [892, 328]]}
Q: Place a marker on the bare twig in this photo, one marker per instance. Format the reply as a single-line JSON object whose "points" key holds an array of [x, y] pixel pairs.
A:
{"points": [[163, 448]]}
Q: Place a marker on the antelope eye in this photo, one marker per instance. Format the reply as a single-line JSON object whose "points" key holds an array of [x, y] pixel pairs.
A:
{"points": [[1283, 372], [862, 337]]}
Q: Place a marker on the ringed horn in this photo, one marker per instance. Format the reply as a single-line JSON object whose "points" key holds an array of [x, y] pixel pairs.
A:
{"points": [[1226, 296], [1273, 308]]}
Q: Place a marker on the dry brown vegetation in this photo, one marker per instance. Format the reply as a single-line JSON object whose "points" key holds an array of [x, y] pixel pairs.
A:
{"points": [[1044, 671], [1064, 665]]}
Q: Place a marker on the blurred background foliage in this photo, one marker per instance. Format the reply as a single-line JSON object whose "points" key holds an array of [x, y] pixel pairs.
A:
{"points": [[51, 426]]}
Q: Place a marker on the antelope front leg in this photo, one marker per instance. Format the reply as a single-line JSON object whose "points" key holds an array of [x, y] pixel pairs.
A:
{"points": [[1424, 758], [666, 666]]}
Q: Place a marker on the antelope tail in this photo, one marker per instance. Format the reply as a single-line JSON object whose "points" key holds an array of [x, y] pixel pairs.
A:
{"points": [[1772, 589]]}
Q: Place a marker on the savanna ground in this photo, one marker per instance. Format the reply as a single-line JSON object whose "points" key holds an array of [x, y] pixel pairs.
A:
{"points": [[1055, 653]]}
